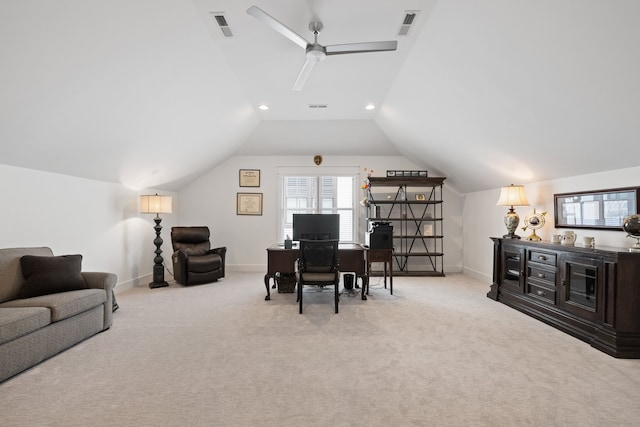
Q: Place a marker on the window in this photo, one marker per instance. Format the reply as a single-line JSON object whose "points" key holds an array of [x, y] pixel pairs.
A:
{"points": [[319, 194]]}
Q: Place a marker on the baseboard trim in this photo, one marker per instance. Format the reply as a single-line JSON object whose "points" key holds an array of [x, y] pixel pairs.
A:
{"points": [[477, 275], [247, 268], [130, 284]]}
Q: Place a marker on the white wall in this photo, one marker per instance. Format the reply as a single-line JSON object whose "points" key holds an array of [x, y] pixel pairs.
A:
{"points": [[100, 220], [483, 219], [211, 201], [97, 219]]}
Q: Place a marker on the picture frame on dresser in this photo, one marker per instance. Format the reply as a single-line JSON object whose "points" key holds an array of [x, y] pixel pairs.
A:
{"points": [[600, 209]]}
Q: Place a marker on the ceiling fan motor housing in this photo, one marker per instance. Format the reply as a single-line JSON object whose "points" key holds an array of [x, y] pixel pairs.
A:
{"points": [[316, 52]]}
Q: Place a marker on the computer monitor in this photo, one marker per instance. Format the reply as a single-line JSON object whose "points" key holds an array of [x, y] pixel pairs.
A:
{"points": [[316, 226]]}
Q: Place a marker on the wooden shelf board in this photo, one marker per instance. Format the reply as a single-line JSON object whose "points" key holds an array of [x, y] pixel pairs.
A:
{"points": [[405, 219], [405, 202], [406, 180]]}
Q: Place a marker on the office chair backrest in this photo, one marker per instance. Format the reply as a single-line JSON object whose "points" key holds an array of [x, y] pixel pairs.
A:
{"points": [[318, 256]]}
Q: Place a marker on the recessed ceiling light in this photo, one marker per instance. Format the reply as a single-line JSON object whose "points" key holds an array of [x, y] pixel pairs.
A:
{"points": [[263, 107], [370, 107]]}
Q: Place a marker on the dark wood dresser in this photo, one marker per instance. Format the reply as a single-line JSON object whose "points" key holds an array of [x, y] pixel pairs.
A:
{"points": [[590, 293]]}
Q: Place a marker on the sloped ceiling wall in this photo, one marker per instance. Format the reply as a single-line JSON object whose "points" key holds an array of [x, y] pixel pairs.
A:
{"points": [[497, 92], [492, 92], [121, 91]]}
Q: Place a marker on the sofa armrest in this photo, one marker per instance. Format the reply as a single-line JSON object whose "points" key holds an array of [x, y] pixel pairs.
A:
{"points": [[98, 280], [106, 281]]}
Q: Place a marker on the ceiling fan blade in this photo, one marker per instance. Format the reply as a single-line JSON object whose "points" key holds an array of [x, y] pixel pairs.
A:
{"points": [[305, 72], [272, 22], [339, 49]]}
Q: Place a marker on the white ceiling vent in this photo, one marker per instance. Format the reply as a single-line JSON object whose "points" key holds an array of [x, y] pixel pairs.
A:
{"points": [[318, 105], [222, 23], [407, 21]]}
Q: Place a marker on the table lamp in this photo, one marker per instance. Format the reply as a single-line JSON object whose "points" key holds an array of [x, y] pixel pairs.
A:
{"points": [[511, 196], [157, 204]]}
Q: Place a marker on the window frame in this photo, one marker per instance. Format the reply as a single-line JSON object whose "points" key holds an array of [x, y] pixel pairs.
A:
{"points": [[350, 172]]}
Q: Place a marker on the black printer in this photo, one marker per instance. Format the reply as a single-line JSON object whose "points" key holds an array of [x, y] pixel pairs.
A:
{"points": [[379, 235]]}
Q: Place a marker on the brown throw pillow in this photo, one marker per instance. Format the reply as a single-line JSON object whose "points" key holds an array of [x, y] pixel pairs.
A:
{"points": [[51, 274]]}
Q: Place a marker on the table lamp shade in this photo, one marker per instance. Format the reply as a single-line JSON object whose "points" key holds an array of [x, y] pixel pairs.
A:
{"points": [[512, 195], [155, 204]]}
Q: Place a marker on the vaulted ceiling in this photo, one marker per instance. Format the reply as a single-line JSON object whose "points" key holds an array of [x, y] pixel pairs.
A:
{"points": [[150, 93]]}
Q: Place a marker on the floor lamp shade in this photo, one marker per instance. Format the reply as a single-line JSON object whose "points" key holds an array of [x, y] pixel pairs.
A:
{"points": [[155, 204], [511, 196]]}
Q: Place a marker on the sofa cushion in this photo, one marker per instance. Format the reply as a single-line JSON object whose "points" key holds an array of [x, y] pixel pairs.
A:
{"points": [[51, 274], [11, 278], [18, 321], [63, 304]]}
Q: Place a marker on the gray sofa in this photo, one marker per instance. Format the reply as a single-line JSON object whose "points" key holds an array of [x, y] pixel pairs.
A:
{"points": [[35, 328]]}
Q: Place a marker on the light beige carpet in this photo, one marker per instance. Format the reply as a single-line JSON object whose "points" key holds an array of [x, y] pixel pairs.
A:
{"points": [[436, 353]]}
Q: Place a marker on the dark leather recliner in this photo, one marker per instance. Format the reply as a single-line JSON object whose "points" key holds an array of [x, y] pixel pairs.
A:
{"points": [[194, 262]]}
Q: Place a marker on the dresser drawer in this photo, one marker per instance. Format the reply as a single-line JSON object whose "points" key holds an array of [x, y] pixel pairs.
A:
{"points": [[547, 258], [539, 274], [541, 292]]}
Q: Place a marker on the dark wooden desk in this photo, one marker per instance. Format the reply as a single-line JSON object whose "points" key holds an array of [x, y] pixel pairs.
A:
{"points": [[350, 256], [385, 256]]}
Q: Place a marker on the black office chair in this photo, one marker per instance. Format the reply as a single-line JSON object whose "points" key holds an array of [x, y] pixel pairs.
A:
{"points": [[318, 266]]}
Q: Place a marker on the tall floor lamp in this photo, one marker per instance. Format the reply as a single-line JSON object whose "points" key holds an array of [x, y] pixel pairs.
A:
{"points": [[150, 204], [511, 196]]}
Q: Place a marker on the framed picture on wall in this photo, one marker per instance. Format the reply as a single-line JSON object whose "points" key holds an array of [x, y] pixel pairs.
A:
{"points": [[601, 209], [249, 177], [249, 204]]}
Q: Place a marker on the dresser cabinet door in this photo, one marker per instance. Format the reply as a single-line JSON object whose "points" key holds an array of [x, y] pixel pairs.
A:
{"points": [[512, 272], [582, 281]]}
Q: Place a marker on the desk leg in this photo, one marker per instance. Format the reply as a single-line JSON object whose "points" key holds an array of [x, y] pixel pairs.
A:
{"points": [[391, 276], [266, 285], [385, 274]]}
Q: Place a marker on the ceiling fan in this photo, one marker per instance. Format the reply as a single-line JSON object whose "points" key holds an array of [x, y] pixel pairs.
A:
{"points": [[315, 51]]}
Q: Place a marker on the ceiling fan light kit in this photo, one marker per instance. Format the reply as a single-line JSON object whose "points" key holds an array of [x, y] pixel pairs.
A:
{"points": [[315, 52]]}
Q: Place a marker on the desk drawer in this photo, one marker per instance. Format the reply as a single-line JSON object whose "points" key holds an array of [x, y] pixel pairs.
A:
{"points": [[379, 255]]}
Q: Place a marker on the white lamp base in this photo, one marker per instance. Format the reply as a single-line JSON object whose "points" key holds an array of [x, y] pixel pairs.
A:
{"points": [[511, 221]]}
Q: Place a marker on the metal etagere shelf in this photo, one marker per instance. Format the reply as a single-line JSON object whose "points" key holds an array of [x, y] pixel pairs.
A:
{"points": [[413, 205]]}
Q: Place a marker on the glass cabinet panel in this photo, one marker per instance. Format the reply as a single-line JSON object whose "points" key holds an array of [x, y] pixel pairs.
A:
{"points": [[512, 262], [581, 284], [512, 270]]}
